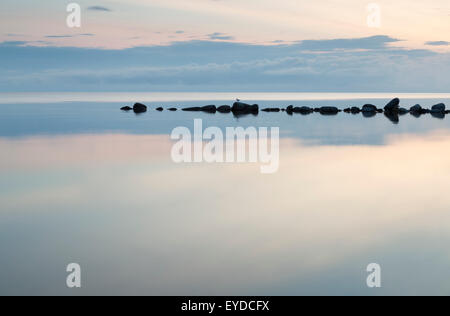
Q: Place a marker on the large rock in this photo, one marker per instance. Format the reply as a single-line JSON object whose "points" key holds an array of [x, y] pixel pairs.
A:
{"points": [[392, 106], [240, 107], [438, 108], [139, 108], [369, 108], [355, 110]]}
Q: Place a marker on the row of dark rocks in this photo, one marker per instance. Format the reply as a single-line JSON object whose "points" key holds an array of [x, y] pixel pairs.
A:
{"points": [[391, 109]]}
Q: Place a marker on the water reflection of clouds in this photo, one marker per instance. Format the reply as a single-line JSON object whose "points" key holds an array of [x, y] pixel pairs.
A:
{"points": [[179, 225]]}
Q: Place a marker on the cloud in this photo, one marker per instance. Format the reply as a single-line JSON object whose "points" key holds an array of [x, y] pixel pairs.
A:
{"points": [[438, 43], [59, 36], [69, 36], [14, 43], [355, 65], [373, 42], [220, 36], [99, 8]]}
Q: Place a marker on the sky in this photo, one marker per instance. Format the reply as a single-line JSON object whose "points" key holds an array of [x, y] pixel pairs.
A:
{"points": [[226, 45]]}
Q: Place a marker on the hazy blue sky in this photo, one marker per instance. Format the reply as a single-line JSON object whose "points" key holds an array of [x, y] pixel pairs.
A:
{"points": [[207, 45]]}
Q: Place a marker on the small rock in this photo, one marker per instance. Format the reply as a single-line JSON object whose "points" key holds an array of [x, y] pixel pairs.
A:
{"points": [[302, 110], [271, 110], [172, 109], [439, 115], [355, 110], [438, 108], [192, 109], [329, 110], [369, 114], [416, 109], [367, 108], [402, 111], [224, 109], [209, 108], [159, 109], [126, 108], [139, 108]]}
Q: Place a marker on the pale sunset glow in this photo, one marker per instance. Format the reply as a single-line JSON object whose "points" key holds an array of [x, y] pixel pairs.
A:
{"points": [[152, 22]]}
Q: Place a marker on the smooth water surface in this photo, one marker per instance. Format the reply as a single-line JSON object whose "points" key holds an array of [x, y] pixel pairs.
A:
{"points": [[81, 181]]}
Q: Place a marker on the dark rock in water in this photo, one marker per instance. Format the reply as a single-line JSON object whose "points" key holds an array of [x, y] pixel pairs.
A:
{"points": [[209, 108], [379, 110], [172, 109], [369, 114], [392, 106], [159, 109], [224, 109], [290, 109], [447, 112], [438, 108], [416, 114], [192, 109], [239, 107], [402, 111], [439, 115], [303, 110], [367, 108], [271, 110], [416, 109], [329, 110], [353, 110], [392, 116], [242, 114], [139, 108], [316, 110], [126, 108]]}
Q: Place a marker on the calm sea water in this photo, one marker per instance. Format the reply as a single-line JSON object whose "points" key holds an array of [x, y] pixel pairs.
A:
{"points": [[81, 181]]}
